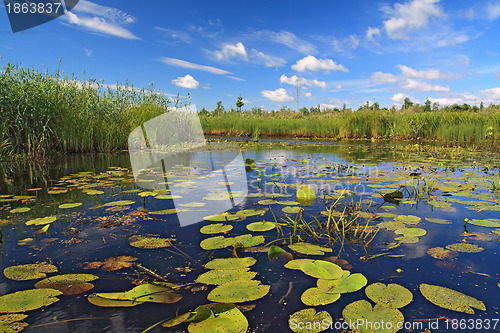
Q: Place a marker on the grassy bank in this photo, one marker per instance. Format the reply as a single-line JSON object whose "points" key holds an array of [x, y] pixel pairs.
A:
{"points": [[479, 128], [48, 113]]}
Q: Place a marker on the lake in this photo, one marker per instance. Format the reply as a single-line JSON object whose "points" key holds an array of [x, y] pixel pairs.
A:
{"points": [[422, 219]]}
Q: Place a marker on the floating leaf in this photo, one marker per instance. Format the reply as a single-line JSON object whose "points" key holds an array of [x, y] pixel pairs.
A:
{"points": [[20, 210], [365, 318], [275, 252], [149, 242], [225, 263], [305, 196], [292, 210], [464, 247], [407, 239], [408, 219], [346, 284], [26, 300], [116, 263], [221, 218], [391, 296], [11, 323], [317, 296], [250, 165], [68, 284], [440, 204], [308, 248], [411, 232], [267, 202], [70, 205], [94, 192], [221, 276], [321, 269], [309, 320], [156, 293], [261, 226], [438, 221], [490, 223], [391, 225], [193, 204], [167, 196], [29, 271], [215, 228], [250, 212], [57, 191], [119, 203], [441, 253], [42, 220], [218, 242], [107, 302], [450, 299], [288, 203], [238, 292], [296, 263], [223, 318]]}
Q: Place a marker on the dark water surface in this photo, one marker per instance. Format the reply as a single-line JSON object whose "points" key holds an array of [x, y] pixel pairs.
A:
{"points": [[454, 181]]}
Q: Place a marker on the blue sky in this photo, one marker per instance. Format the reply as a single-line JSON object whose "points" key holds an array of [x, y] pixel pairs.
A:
{"points": [[341, 52]]}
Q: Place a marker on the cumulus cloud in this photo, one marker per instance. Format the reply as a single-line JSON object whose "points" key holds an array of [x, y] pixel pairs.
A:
{"points": [[310, 63], [302, 81], [383, 78], [230, 51], [491, 94], [410, 16], [493, 10], [371, 33], [398, 98], [429, 74], [187, 82], [278, 96], [420, 86]]}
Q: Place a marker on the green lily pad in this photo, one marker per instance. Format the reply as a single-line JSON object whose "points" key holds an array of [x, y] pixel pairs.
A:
{"points": [[305, 195], [450, 299], [94, 192], [70, 205], [221, 276], [261, 226], [411, 232], [408, 219], [119, 203], [193, 204], [391, 225], [156, 293], [20, 210], [221, 218], [407, 239], [441, 253], [496, 232], [464, 247], [317, 296], [440, 204], [29, 271], [112, 263], [42, 220], [11, 323], [226, 263], [57, 191], [222, 318], [167, 196], [143, 242], [322, 269], [391, 296], [215, 228], [26, 300], [306, 321], [288, 203], [346, 284], [275, 252], [250, 212], [108, 302], [217, 242], [68, 284], [308, 248], [364, 317], [248, 240], [296, 263], [490, 223], [438, 221], [291, 210], [238, 292], [267, 202]]}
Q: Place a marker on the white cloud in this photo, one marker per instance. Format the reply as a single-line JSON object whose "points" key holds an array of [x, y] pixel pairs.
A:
{"points": [[101, 19], [398, 98], [349, 43], [460, 99], [212, 30], [491, 94], [310, 63], [190, 65], [302, 81], [371, 33], [420, 86], [187, 82], [286, 38], [278, 96], [230, 51], [88, 52], [383, 78], [429, 74], [493, 10], [267, 60], [176, 35], [236, 78], [413, 15], [308, 95]]}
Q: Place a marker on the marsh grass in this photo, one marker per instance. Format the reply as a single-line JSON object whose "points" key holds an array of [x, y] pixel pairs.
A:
{"points": [[48, 113]]}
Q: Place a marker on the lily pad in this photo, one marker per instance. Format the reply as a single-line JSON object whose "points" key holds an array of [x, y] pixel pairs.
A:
{"points": [[94, 192], [119, 203], [408, 219], [238, 292], [42, 220], [305, 195], [225, 263], [29, 271], [407, 239], [490, 223], [291, 210], [68, 284], [261, 226], [275, 252], [412, 232], [20, 210], [108, 302], [250, 212], [215, 228], [221, 276], [217, 242], [391, 225], [149, 242], [156, 293], [391, 296], [11, 323], [464, 247], [26, 300], [346, 284], [317, 296], [296, 263], [222, 318], [438, 221], [267, 202], [250, 165], [221, 218], [365, 318], [248, 240], [308, 319], [70, 205], [116, 263], [450, 299], [308, 248], [441, 253], [322, 269]]}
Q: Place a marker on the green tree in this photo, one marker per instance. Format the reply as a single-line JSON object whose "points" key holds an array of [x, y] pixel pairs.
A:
{"points": [[219, 109], [239, 103], [427, 107], [407, 103]]}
